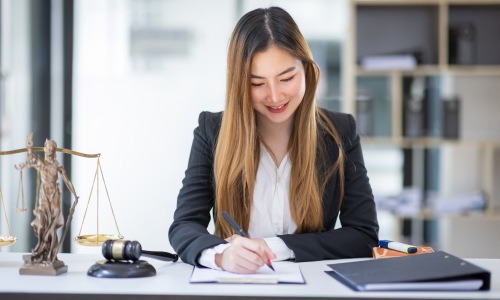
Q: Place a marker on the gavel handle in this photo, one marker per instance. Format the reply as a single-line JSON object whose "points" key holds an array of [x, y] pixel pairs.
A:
{"points": [[165, 256]]}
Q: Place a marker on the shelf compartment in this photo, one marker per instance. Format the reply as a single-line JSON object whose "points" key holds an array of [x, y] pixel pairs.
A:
{"points": [[473, 36], [394, 29]]}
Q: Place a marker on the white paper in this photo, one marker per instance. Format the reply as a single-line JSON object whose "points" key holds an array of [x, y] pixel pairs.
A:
{"points": [[288, 272], [389, 62], [456, 285]]}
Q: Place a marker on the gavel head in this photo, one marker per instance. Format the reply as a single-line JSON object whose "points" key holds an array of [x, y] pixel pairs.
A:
{"points": [[121, 250]]}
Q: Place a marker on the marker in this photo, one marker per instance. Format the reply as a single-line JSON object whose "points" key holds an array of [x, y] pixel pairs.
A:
{"points": [[386, 244], [240, 231]]}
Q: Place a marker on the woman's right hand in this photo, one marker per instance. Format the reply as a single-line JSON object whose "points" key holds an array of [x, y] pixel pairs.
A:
{"points": [[244, 256]]}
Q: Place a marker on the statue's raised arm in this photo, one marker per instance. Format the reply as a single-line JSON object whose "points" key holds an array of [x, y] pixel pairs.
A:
{"points": [[33, 159]]}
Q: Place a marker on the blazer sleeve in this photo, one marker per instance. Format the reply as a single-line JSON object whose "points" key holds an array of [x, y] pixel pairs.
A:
{"points": [[359, 232], [188, 233]]}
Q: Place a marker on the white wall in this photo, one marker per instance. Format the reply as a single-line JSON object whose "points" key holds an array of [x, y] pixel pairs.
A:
{"points": [[142, 123], [316, 19], [480, 106], [16, 123], [473, 237]]}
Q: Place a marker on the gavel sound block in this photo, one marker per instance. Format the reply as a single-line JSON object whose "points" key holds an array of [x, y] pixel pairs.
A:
{"points": [[122, 260]]}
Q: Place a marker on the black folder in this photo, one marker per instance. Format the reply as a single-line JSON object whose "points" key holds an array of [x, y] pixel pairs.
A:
{"points": [[438, 266]]}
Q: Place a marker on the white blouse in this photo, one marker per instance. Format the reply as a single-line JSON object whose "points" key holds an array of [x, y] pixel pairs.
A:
{"points": [[270, 210]]}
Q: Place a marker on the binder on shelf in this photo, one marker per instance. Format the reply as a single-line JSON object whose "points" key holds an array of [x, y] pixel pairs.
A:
{"points": [[431, 271], [462, 44], [364, 116], [451, 114], [414, 117], [415, 106], [434, 107]]}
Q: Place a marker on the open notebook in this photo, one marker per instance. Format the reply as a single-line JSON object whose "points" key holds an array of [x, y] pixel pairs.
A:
{"points": [[286, 272]]}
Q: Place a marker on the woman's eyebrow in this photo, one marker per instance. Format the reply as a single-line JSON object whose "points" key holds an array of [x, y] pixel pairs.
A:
{"points": [[284, 72]]}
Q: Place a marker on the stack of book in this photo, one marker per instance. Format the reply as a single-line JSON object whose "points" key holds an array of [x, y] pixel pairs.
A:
{"points": [[388, 253]]}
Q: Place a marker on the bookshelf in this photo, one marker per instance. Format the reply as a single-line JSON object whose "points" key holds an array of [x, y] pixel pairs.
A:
{"points": [[376, 26]]}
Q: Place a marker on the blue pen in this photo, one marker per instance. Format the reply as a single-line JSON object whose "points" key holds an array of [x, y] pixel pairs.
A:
{"points": [[240, 231], [397, 246]]}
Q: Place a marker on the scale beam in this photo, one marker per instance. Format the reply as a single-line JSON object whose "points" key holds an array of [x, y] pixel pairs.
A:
{"points": [[62, 150], [86, 240]]}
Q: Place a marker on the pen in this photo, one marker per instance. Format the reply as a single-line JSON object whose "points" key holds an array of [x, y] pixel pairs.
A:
{"points": [[397, 246], [240, 231]]}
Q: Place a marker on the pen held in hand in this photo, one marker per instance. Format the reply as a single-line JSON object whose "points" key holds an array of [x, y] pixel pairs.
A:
{"points": [[240, 231]]}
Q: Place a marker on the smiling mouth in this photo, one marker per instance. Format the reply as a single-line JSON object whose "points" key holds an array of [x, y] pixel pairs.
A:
{"points": [[278, 107]]}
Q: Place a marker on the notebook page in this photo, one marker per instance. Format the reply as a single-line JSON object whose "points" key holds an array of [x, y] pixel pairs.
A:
{"points": [[288, 272]]}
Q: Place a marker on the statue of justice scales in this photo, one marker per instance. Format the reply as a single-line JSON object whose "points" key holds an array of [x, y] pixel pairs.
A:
{"points": [[47, 210]]}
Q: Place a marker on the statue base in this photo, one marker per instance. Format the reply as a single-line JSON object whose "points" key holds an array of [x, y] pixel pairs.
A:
{"points": [[30, 268]]}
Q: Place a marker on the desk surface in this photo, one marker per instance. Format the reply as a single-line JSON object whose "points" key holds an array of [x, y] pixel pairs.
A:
{"points": [[172, 281]]}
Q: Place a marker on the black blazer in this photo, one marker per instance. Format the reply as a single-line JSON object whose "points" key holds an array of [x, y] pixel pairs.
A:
{"points": [[188, 233]]}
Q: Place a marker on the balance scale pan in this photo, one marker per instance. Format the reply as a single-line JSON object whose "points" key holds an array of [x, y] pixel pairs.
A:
{"points": [[7, 240], [96, 240]]}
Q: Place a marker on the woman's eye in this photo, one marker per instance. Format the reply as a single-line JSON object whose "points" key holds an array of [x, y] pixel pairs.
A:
{"points": [[288, 79], [253, 84]]}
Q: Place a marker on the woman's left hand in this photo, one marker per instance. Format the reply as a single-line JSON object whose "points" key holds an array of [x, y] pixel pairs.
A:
{"points": [[235, 236]]}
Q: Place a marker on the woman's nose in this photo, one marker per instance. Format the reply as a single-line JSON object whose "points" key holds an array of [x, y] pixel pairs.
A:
{"points": [[274, 93]]}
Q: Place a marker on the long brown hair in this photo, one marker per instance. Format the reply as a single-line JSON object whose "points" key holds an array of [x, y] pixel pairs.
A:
{"points": [[238, 147]]}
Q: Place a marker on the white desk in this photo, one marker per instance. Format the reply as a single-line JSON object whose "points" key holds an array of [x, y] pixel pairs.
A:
{"points": [[172, 282]]}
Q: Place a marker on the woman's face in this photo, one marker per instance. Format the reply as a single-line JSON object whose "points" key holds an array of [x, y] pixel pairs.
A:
{"points": [[278, 84]]}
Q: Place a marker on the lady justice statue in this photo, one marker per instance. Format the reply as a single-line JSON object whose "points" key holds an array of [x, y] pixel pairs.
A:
{"points": [[48, 214]]}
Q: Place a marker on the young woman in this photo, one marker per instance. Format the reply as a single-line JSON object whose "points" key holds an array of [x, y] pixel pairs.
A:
{"points": [[282, 167]]}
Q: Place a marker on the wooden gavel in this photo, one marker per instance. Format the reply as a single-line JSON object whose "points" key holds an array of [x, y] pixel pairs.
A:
{"points": [[132, 250]]}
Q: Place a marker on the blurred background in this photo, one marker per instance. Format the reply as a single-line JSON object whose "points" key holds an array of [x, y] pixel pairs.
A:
{"points": [[128, 79]]}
